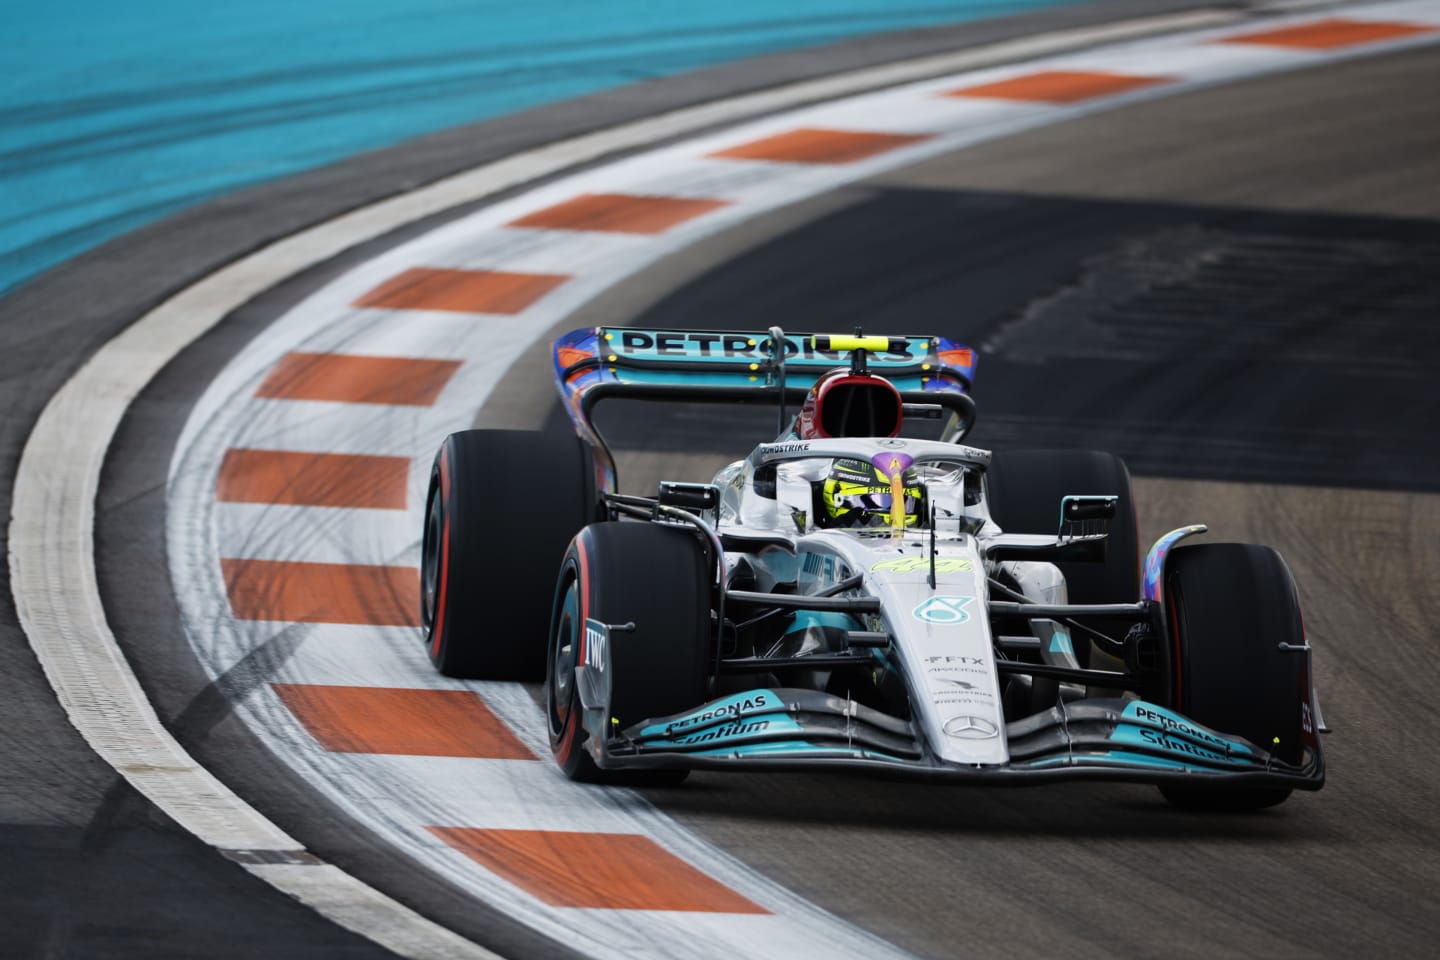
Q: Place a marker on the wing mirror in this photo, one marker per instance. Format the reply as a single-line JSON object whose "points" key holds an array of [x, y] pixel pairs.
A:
{"points": [[1084, 523], [701, 499], [1086, 516]]}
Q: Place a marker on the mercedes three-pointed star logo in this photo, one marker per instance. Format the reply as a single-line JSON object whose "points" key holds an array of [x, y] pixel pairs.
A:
{"points": [[965, 727]]}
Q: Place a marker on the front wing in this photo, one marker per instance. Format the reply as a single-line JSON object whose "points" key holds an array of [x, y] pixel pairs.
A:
{"points": [[1113, 739]]}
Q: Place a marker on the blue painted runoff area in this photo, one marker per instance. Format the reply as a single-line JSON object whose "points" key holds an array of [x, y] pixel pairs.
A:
{"points": [[115, 114]]}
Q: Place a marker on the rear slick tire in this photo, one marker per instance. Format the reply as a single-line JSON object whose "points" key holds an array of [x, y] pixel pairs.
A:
{"points": [[1230, 606], [1023, 490], [500, 509], [629, 572]]}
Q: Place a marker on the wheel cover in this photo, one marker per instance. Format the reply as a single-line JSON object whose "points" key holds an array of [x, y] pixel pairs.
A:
{"points": [[430, 560], [560, 690]]}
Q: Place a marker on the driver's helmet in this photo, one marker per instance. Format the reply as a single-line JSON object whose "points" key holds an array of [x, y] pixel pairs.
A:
{"points": [[846, 404], [857, 494]]}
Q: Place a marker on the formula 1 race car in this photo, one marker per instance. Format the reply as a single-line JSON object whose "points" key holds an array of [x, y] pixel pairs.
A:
{"points": [[849, 595]]}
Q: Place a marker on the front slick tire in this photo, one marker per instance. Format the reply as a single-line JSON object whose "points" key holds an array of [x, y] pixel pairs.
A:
{"points": [[1230, 606], [501, 507], [629, 572]]}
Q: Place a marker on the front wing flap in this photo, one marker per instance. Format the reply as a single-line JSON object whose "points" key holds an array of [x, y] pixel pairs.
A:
{"points": [[773, 722], [780, 728]]}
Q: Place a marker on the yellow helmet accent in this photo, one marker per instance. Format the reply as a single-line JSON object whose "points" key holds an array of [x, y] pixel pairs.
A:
{"points": [[850, 500]]}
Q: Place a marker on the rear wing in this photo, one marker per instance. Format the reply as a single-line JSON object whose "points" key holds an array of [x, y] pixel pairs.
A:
{"points": [[727, 358], [933, 374]]}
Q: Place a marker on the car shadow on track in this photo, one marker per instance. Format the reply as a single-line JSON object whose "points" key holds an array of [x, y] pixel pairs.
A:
{"points": [[1110, 810]]}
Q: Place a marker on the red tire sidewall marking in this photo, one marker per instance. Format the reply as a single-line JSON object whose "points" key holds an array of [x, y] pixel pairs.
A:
{"points": [[569, 737]]}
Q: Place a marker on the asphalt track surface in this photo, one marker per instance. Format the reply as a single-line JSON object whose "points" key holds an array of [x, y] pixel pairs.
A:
{"points": [[1085, 870]]}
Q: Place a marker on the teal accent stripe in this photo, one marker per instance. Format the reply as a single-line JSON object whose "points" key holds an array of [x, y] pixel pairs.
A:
{"points": [[795, 748]]}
